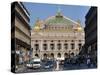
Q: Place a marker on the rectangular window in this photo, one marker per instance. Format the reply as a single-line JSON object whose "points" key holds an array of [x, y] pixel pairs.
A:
{"points": [[59, 46], [45, 46], [80, 45], [52, 46], [66, 46], [36, 47], [72, 46]]}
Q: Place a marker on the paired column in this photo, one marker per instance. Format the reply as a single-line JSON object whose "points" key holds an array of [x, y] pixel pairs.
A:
{"points": [[69, 45], [41, 45], [62, 45], [56, 45], [76, 44], [48, 46]]}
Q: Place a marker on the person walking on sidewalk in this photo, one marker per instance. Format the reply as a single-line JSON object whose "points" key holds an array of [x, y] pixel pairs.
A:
{"points": [[88, 61]]}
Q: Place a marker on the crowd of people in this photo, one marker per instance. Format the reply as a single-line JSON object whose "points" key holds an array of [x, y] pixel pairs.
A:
{"points": [[79, 60]]}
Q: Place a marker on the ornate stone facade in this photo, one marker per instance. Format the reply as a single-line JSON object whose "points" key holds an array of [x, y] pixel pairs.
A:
{"points": [[58, 36]]}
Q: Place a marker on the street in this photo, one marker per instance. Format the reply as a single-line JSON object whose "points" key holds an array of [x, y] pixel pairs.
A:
{"points": [[58, 68]]}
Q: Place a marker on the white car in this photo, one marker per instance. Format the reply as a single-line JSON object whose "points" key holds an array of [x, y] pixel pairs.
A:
{"points": [[34, 63]]}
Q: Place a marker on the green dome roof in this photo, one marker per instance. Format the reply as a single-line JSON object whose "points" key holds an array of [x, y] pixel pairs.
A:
{"points": [[62, 20], [59, 19]]}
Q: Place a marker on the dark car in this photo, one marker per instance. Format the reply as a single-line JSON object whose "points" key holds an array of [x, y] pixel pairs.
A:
{"points": [[49, 64]]}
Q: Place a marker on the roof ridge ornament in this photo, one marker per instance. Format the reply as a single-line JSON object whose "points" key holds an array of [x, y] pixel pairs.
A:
{"points": [[59, 9], [79, 27], [37, 24], [59, 14]]}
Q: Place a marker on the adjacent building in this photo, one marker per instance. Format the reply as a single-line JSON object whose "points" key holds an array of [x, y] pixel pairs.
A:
{"points": [[20, 32], [57, 36], [91, 34]]}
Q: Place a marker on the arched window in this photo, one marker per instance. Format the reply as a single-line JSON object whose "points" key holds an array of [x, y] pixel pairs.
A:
{"points": [[66, 55], [45, 56], [52, 55], [72, 54], [36, 55], [59, 55]]}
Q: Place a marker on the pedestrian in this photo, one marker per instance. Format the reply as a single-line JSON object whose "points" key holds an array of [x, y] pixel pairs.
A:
{"points": [[88, 62], [57, 68], [79, 60], [53, 62], [66, 63]]}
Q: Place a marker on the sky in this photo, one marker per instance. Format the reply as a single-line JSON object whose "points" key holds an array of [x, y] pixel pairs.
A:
{"points": [[43, 11]]}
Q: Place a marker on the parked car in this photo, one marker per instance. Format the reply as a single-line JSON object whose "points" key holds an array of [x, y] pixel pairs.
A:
{"points": [[34, 64], [48, 64], [37, 63]]}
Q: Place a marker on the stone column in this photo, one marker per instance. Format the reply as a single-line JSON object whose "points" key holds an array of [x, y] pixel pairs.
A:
{"points": [[48, 44], [69, 45], [55, 50], [55, 45], [75, 44], [62, 45], [41, 48], [76, 47]]}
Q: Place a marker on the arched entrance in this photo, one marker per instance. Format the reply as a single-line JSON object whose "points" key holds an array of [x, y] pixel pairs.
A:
{"points": [[36, 55], [44, 56], [59, 55], [72, 55], [66, 55], [52, 55]]}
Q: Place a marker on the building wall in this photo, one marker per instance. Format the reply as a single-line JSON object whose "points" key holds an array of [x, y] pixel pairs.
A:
{"points": [[22, 28], [56, 31], [54, 38], [20, 33], [91, 33], [20, 25]]}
